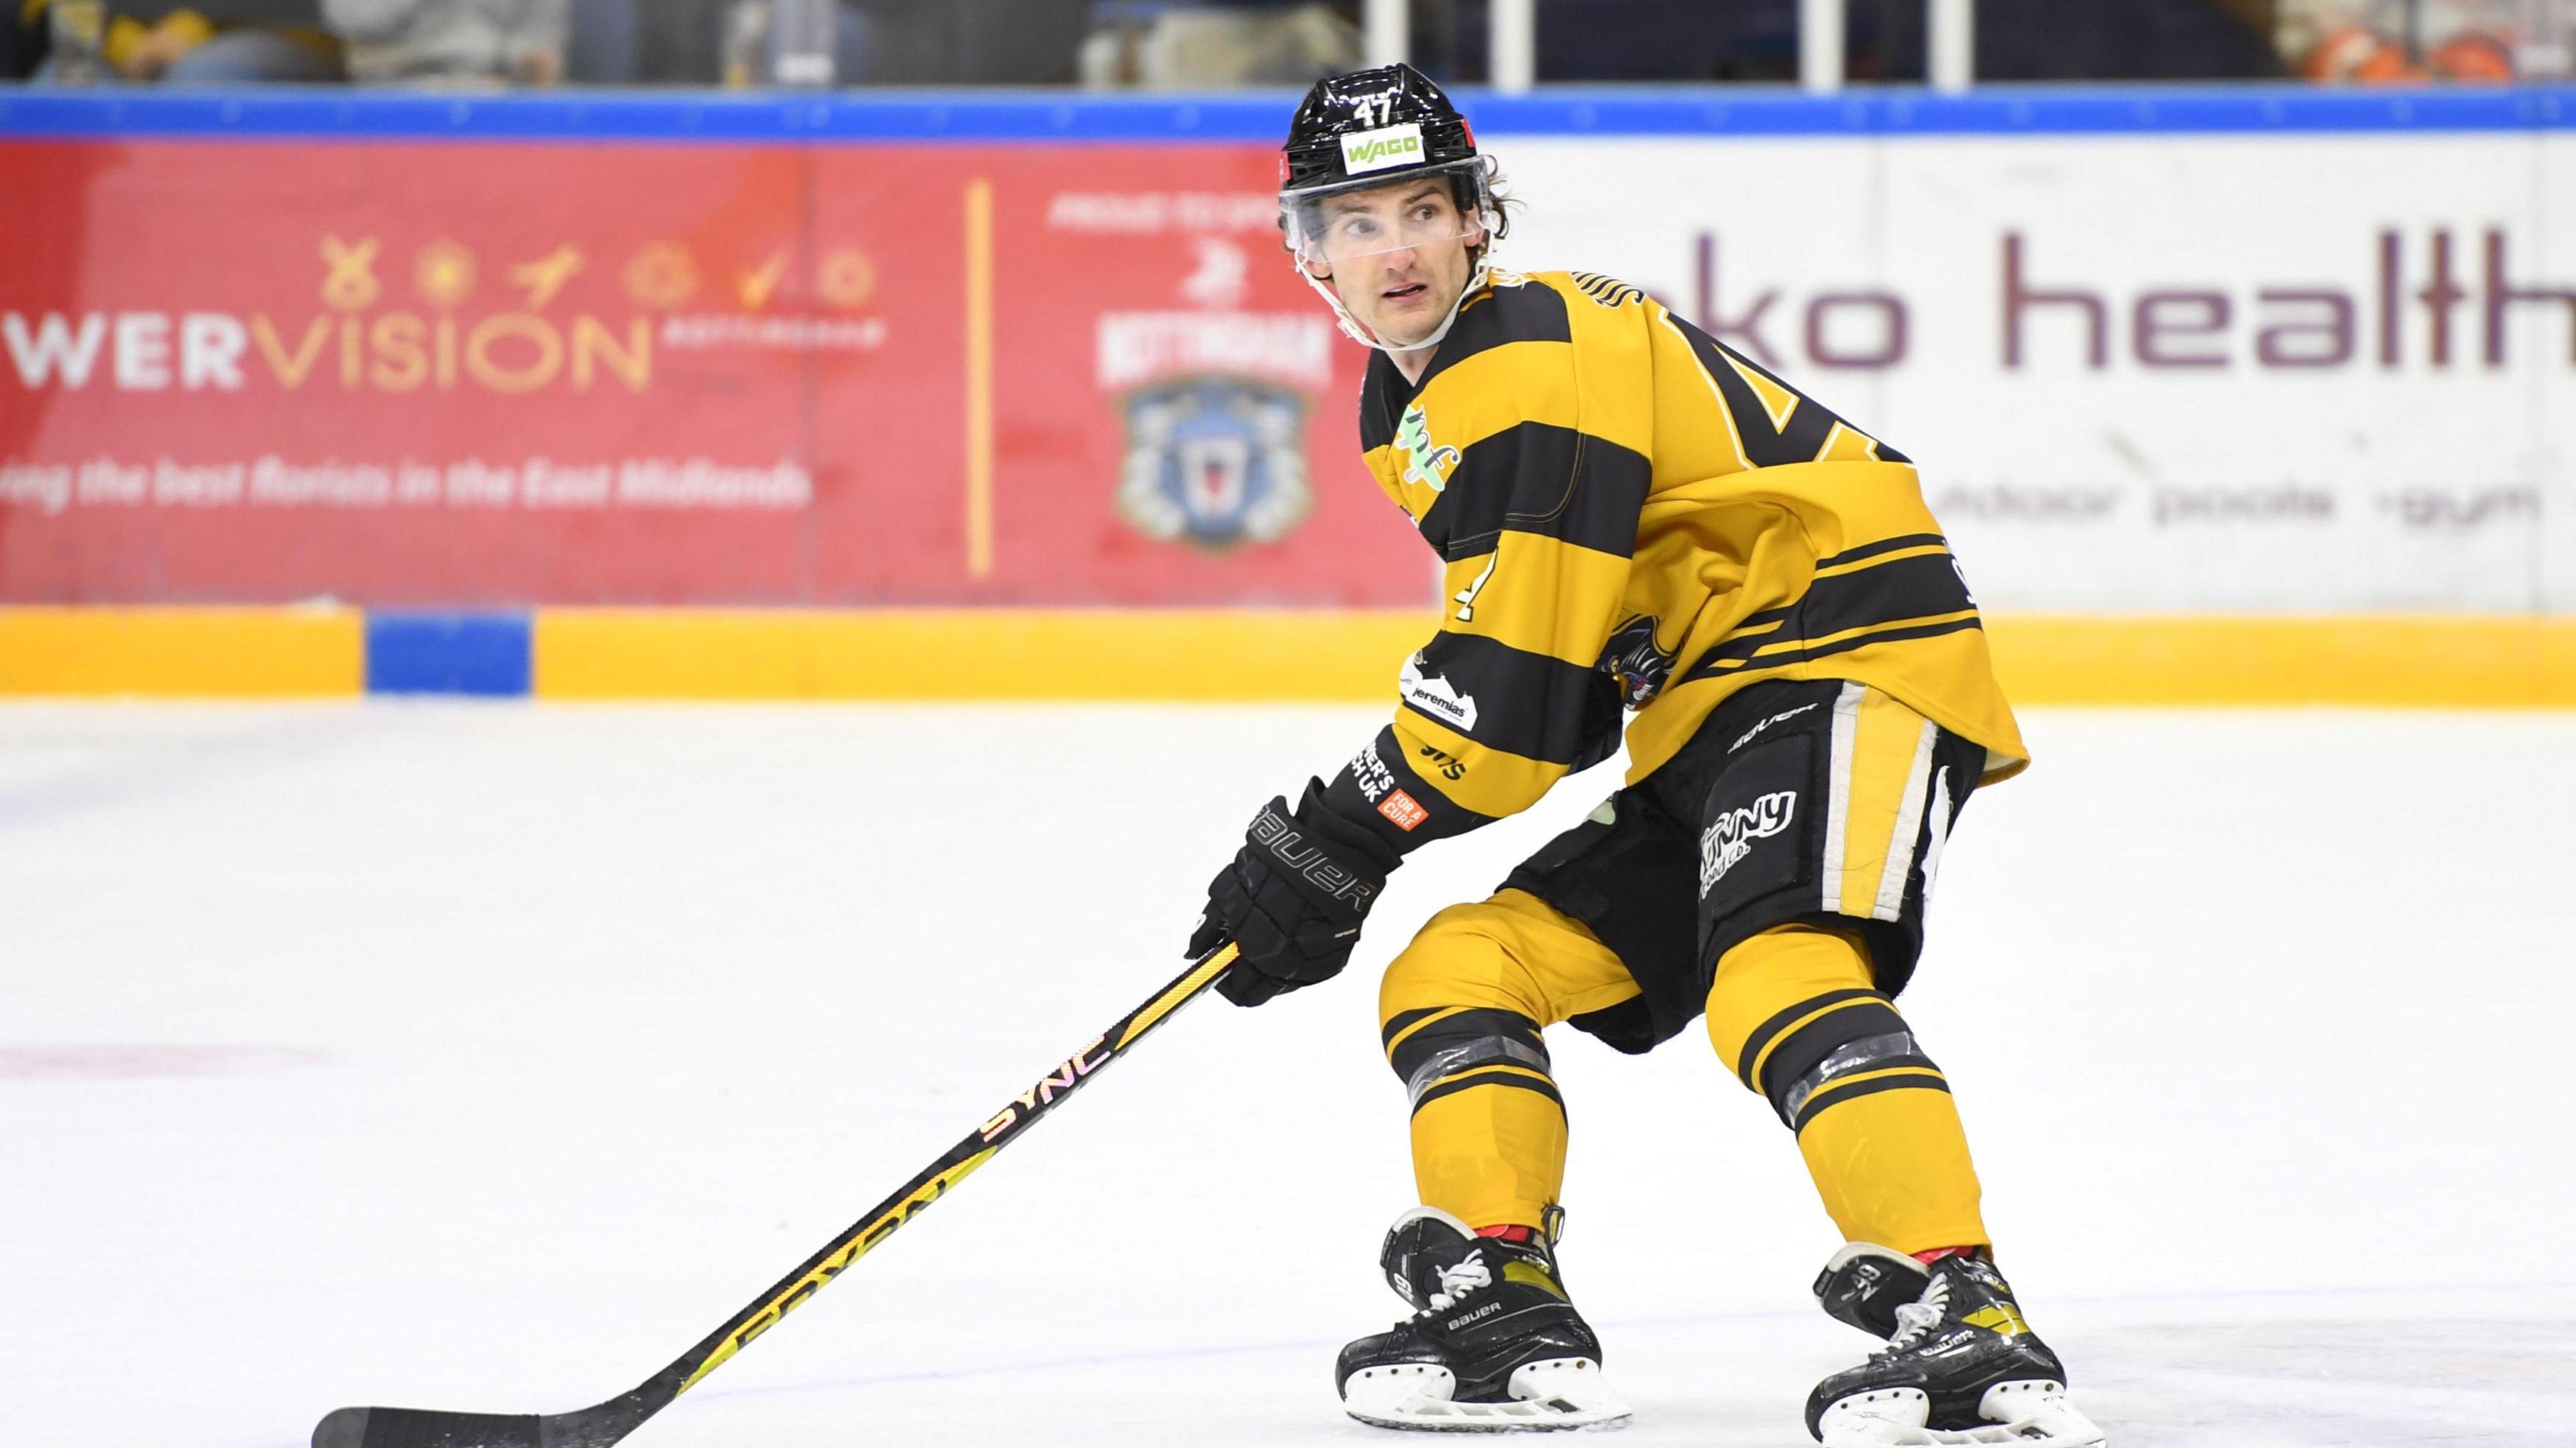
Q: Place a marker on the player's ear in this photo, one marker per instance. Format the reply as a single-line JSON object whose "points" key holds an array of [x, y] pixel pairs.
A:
{"points": [[1320, 271]]}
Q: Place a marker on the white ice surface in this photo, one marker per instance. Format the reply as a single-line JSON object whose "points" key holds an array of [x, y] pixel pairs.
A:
{"points": [[487, 1057]]}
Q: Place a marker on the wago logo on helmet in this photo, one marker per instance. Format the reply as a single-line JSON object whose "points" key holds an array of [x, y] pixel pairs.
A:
{"points": [[1364, 151]]}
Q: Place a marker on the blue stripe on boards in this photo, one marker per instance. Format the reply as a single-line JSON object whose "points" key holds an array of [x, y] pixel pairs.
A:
{"points": [[448, 653], [285, 112]]}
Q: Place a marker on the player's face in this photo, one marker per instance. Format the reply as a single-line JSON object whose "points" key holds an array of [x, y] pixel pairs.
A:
{"points": [[1398, 255]]}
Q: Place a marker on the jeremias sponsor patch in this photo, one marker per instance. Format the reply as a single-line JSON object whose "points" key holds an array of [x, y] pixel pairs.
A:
{"points": [[1403, 811], [1434, 695], [1365, 151], [1722, 844]]}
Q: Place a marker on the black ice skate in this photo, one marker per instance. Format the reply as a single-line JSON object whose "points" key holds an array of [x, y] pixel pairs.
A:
{"points": [[1960, 1366], [1493, 1344]]}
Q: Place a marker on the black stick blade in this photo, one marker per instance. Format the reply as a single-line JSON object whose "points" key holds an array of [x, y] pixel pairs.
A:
{"points": [[412, 1428]]}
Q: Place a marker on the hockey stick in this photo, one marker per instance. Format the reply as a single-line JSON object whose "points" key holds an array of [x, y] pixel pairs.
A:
{"points": [[604, 1423]]}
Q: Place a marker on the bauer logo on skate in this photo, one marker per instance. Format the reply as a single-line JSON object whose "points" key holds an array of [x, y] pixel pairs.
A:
{"points": [[1729, 840]]}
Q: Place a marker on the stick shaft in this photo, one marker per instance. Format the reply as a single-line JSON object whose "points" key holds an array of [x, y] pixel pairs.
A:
{"points": [[603, 1424], [978, 1147]]}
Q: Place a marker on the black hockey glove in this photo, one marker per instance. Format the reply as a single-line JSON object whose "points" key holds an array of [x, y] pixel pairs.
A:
{"points": [[1292, 898]]}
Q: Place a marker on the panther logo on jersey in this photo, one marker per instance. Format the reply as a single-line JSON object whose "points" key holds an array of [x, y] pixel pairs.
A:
{"points": [[1426, 464], [1214, 461], [1635, 662]]}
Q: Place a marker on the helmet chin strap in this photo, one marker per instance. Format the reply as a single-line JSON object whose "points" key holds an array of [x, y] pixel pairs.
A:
{"points": [[1352, 328]]}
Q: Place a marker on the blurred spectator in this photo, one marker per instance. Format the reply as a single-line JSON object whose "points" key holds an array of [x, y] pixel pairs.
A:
{"points": [[502, 40], [2410, 40], [796, 43], [1167, 46], [199, 42]]}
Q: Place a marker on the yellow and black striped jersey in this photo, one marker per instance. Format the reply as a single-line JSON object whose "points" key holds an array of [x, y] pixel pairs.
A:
{"points": [[1632, 514]]}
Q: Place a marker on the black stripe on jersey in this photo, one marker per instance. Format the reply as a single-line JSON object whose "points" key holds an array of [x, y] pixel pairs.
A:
{"points": [[1535, 477], [1924, 586], [1527, 704], [1441, 817], [1495, 318], [1884, 545], [1608, 291], [1473, 1079], [1803, 1049], [1464, 1029], [1836, 1096], [1712, 667], [1763, 1033]]}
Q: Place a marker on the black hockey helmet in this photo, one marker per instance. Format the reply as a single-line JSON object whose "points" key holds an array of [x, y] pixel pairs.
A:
{"points": [[1363, 130], [1354, 133], [1325, 149]]}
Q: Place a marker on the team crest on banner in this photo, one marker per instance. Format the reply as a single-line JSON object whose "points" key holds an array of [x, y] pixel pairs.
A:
{"points": [[1215, 461]]}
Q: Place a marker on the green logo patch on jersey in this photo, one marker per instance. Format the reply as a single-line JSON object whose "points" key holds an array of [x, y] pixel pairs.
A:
{"points": [[1424, 463]]}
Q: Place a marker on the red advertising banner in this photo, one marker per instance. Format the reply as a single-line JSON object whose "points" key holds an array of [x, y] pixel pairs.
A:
{"points": [[452, 373]]}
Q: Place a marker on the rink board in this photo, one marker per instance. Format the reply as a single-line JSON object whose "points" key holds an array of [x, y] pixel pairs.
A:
{"points": [[956, 396], [1210, 656]]}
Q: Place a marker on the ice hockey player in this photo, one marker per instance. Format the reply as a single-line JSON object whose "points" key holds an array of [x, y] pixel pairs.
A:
{"points": [[1633, 517]]}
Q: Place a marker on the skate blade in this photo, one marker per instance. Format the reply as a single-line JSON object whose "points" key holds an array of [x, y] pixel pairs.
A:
{"points": [[2031, 1414], [1551, 1396]]}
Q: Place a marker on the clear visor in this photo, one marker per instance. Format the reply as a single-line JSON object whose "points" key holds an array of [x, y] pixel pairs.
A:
{"points": [[1369, 218]]}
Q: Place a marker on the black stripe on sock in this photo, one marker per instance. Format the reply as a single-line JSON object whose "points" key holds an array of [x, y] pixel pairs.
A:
{"points": [[1396, 1024], [1763, 1033], [1466, 1027], [1491, 1077], [1804, 1048], [1835, 1096]]}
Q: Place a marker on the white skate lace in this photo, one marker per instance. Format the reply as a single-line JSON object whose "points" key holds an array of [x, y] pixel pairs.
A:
{"points": [[1913, 1319], [1456, 1282]]}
